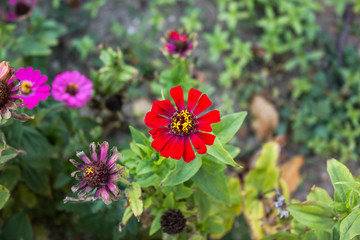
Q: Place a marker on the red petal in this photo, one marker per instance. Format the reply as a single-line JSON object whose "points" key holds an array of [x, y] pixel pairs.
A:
{"points": [[178, 95], [204, 126], [163, 108], [193, 98], [160, 141], [175, 35], [203, 104], [198, 144], [158, 131], [169, 147], [178, 149], [154, 120], [208, 139], [189, 154], [212, 117]]}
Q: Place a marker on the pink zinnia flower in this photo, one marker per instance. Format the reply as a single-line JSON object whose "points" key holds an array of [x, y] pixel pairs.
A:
{"points": [[72, 88], [98, 173], [19, 9], [32, 86], [178, 44]]}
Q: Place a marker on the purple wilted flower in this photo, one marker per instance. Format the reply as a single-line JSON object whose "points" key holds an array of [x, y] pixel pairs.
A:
{"points": [[178, 44], [280, 203], [98, 173], [19, 9]]}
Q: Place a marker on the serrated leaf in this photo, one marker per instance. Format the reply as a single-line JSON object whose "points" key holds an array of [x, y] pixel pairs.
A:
{"points": [[133, 194], [228, 126], [4, 196], [182, 172]]}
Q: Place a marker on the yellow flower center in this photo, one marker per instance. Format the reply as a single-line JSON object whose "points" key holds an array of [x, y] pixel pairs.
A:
{"points": [[26, 87], [182, 123], [72, 89], [89, 170]]}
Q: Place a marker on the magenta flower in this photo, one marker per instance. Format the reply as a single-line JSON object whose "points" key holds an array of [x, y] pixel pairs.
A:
{"points": [[98, 173], [32, 86], [19, 9], [72, 88], [178, 44]]}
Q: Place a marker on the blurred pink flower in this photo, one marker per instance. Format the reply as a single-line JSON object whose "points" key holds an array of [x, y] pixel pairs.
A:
{"points": [[32, 86], [19, 8], [72, 88]]}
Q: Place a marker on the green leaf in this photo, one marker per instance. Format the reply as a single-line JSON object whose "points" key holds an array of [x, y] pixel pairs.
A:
{"points": [[320, 195], [339, 173], [215, 225], [315, 215], [265, 174], [37, 180], [218, 151], [182, 172], [149, 179], [281, 235], [213, 185], [350, 226], [9, 177], [4, 196], [228, 126], [139, 137], [19, 227], [133, 194], [169, 202], [125, 218], [181, 192], [155, 225]]}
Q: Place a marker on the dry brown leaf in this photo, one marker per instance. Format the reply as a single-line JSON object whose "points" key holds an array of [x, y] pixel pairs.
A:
{"points": [[266, 118], [290, 172]]}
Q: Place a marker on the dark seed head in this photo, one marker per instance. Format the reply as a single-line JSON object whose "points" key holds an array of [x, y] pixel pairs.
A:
{"points": [[96, 174], [21, 9], [72, 89], [173, 221], [181, 46]]}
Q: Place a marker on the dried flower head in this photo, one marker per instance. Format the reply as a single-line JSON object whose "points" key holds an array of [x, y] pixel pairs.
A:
{"points": [[174, 128], [9, 94], [173, 221], [98, 173], [73, 88], [178, 44]]}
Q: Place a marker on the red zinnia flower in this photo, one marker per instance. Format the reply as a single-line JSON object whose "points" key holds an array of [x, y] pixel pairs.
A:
{"points": [[174, 129]]}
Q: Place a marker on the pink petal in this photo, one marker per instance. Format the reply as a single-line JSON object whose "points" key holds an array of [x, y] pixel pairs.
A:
{"points": [[83, 157], [104, 148], [105, 196]]}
